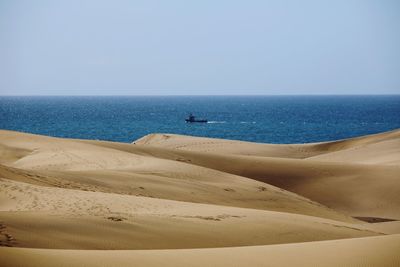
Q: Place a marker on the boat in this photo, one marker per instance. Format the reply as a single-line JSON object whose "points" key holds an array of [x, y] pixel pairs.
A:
{"points": [[192, 118]]}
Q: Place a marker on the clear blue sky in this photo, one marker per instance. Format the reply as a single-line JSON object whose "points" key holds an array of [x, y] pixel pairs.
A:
{"points": [[199, 47]]}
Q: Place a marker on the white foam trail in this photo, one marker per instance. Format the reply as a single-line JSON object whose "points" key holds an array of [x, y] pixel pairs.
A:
{"points": [[216, 122]]}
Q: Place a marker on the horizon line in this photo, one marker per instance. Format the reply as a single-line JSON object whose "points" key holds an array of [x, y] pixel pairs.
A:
{"points": [[154, 95]]}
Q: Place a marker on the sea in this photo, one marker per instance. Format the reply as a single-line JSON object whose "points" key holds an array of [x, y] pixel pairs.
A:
{"points": [[265, 119]]}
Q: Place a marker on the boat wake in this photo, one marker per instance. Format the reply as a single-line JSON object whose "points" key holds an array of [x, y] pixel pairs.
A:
{"points": [[216, 122]]}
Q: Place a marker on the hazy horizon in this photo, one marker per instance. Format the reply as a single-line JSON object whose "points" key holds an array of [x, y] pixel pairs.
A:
{"points": [[122, 95], [199, 48]]}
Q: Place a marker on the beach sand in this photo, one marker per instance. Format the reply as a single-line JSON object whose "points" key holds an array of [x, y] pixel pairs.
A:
{"points": [[172, 200]]}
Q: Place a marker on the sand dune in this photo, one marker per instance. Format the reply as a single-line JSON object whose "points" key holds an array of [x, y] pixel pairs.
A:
{"points": [[137, 171], [370, 251], [222, 146], [235, 200], [354, 189], [149, 222], [359, 189], [359, 149]]}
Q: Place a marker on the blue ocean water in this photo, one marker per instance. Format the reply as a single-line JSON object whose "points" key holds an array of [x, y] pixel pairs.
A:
{"points": [[268, 119]]}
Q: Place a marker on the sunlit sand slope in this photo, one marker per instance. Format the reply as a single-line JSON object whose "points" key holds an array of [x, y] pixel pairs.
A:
{"points": [[378, 148], [370, 251], [88, 220]]}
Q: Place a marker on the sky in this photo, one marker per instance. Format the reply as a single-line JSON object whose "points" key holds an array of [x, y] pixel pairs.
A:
{"points": [[207, 47]]}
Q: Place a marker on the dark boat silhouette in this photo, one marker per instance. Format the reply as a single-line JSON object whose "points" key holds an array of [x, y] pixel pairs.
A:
{"points": [[192, 118]]}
